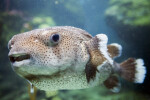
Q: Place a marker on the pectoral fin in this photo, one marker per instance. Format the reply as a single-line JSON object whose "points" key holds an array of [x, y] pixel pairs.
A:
{"points": [[99, 56]]}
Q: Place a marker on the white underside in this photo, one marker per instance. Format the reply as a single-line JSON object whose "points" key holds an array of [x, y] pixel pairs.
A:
{"points": [[64, 82], [70, 80]]}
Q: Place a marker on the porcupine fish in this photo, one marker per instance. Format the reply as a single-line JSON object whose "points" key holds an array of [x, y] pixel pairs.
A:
{"points": [[66, 57]]}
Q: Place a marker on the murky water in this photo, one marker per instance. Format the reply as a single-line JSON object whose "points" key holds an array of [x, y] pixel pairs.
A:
{"points": [[124, 22]]}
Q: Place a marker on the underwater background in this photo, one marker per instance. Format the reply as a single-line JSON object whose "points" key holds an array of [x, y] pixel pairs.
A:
{"points": [[126, 22]]}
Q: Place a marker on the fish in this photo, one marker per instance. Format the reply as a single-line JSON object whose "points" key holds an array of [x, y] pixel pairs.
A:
{"points": [[68, 58]]}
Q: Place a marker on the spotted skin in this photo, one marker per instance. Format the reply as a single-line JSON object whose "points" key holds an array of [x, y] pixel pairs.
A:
{"points": [[75, 62], [46, 60]]}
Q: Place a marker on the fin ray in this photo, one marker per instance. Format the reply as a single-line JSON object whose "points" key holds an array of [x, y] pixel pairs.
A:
{"points": [[114, 50], [132, 70]]}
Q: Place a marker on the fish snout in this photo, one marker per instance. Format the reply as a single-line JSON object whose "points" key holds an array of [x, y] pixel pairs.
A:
{"points": [[19, 59]]}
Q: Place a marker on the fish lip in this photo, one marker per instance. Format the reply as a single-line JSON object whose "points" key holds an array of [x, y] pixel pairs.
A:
{"points": [[17, 64], [19, 59]]}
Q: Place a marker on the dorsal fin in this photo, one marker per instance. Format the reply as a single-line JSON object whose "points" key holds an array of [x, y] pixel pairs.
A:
{"points": [[114, 50]]}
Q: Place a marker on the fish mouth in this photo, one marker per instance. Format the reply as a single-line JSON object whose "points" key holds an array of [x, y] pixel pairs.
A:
{"points": [[19, 59]]}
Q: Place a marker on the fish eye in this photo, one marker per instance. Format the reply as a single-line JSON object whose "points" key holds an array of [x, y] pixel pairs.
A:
{"points": [[55, 38]]}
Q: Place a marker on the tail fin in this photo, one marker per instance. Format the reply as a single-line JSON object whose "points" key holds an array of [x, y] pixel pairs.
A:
{"points": [[133, 70]]}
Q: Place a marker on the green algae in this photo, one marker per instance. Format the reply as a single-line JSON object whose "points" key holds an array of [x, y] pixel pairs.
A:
{"points": [[130, 12]]}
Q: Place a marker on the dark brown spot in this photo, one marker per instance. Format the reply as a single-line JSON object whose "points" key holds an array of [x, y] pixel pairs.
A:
{"points": [[90, 71]]}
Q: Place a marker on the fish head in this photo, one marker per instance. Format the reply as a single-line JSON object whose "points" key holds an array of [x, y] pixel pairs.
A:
{"points": [[48, 51]]}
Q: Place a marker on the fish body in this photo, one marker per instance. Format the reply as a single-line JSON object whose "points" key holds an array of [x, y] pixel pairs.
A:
{"points": [[65, 57]]}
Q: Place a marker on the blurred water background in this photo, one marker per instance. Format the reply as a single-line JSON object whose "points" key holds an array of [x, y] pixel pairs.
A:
{"points": [[126, 22]]}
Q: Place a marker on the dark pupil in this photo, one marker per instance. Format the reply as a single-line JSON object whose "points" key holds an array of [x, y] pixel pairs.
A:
{"points": [[55, 38]]}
